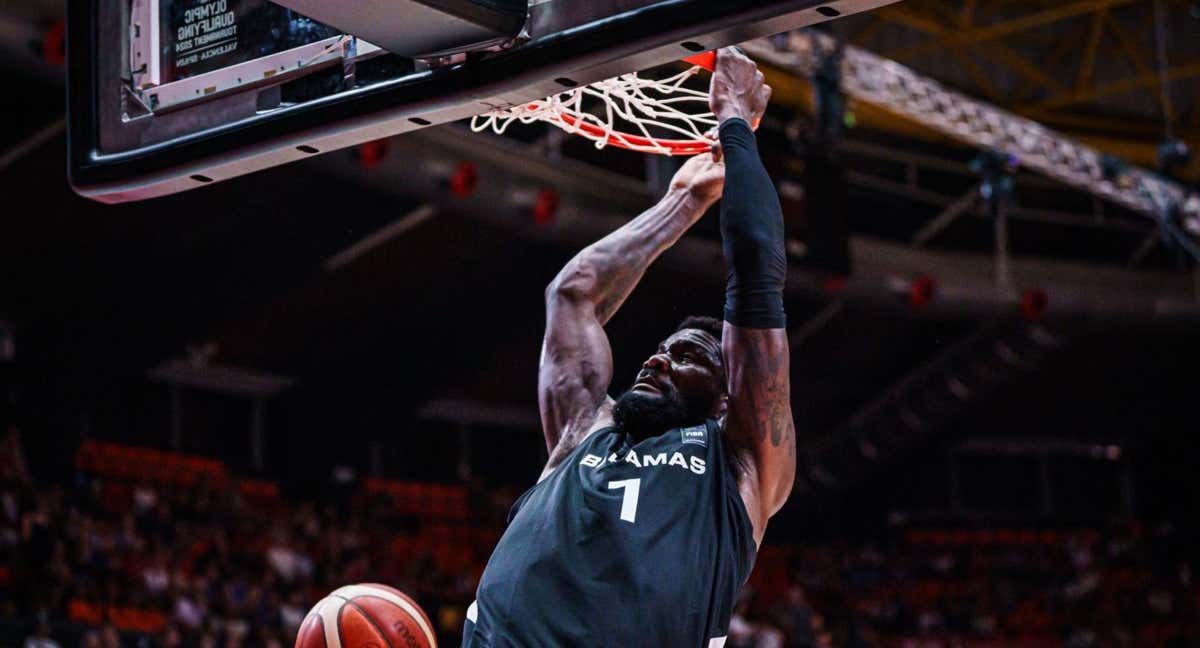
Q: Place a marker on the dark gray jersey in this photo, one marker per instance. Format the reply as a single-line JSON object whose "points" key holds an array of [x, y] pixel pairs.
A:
{"points": [[622, 545]]}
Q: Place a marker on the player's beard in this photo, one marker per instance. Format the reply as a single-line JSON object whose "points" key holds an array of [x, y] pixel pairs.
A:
{"points": [[643, 415]]}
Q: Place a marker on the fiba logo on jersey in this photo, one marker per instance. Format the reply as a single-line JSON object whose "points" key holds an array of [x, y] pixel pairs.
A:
{"points": [[696, 434]]}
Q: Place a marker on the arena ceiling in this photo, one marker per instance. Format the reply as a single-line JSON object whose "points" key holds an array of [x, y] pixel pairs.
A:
{"points": [[1089, 68]]}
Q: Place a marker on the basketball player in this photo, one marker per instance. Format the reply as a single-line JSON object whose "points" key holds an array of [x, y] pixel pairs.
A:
{"points": [[647, 517]]}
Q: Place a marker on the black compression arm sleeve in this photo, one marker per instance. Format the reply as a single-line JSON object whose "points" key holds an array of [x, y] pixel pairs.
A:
{"points": [[752, 234]]}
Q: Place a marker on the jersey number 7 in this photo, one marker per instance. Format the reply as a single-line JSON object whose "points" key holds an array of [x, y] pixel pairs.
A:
{"points": [[629, 501]]}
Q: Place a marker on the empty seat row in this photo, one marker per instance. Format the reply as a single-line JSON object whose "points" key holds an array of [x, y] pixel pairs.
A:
{"points": [[125, 462], [427, 500]]}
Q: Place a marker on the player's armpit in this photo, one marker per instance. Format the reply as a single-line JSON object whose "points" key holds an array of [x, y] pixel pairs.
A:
{"points": [[759, 422], [572, 438]]}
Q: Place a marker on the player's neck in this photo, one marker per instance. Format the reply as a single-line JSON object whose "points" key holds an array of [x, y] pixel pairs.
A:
{"points": [[639, 433]]}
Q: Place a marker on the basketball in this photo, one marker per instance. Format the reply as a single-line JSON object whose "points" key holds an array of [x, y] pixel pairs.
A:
{"points": [[367, 615]]}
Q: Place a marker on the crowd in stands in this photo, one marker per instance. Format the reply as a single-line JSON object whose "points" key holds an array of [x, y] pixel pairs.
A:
{"points": [[174, 552], [1123, 586], [180, 554]]}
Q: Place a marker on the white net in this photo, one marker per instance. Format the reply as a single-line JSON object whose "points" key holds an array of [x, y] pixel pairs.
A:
{"points": [[648, 115]]}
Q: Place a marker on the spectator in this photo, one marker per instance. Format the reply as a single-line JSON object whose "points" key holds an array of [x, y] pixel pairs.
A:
{"points": [[795, 618], [41, 637], [189, 612], [91, 639], [291, 613]]}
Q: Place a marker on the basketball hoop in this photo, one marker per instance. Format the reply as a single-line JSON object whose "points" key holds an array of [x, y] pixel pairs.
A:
{"points": [[594, 111]]}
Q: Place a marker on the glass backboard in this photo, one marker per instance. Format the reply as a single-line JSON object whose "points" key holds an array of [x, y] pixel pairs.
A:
{"points": [[169, 95]]}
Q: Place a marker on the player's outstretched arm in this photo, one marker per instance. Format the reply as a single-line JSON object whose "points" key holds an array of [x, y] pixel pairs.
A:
{"points": [[576, 363], [754, 342]]}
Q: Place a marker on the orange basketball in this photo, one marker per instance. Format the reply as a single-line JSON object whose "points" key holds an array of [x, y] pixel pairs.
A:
{"points": [[367, 615]]}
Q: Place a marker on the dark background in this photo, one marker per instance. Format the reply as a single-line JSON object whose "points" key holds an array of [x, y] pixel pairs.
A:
{"points": [[97, 297]]}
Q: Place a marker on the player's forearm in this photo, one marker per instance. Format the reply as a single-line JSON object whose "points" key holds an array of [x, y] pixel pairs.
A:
{"points": [[752, 234], [606, 271]]}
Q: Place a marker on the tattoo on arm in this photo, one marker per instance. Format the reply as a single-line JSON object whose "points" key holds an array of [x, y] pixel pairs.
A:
{"points": [[760, 413], [772, 409], [617, 262], [620, 277]]}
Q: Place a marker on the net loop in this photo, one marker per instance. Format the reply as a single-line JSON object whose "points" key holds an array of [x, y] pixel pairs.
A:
{"points": [[628, 111]]}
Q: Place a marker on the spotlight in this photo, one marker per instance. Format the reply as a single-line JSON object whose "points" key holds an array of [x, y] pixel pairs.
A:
{"points": [[921, 292], [546, 207], [1034, 303], [54, 43], [1173, 154], [464, 180], [371, 154]]}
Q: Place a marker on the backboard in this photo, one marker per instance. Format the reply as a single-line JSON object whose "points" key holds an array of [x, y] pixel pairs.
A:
{"points": [[169, 95]]}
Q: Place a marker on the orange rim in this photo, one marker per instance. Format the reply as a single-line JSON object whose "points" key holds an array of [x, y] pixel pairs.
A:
{"points": [[624, 140]]}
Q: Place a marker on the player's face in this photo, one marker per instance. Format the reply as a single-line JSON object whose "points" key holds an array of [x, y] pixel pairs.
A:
{"points": [[686, 368]]}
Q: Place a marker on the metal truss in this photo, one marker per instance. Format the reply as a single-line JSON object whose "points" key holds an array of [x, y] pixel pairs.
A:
{"points": [[885, 83], [917, 408]]}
